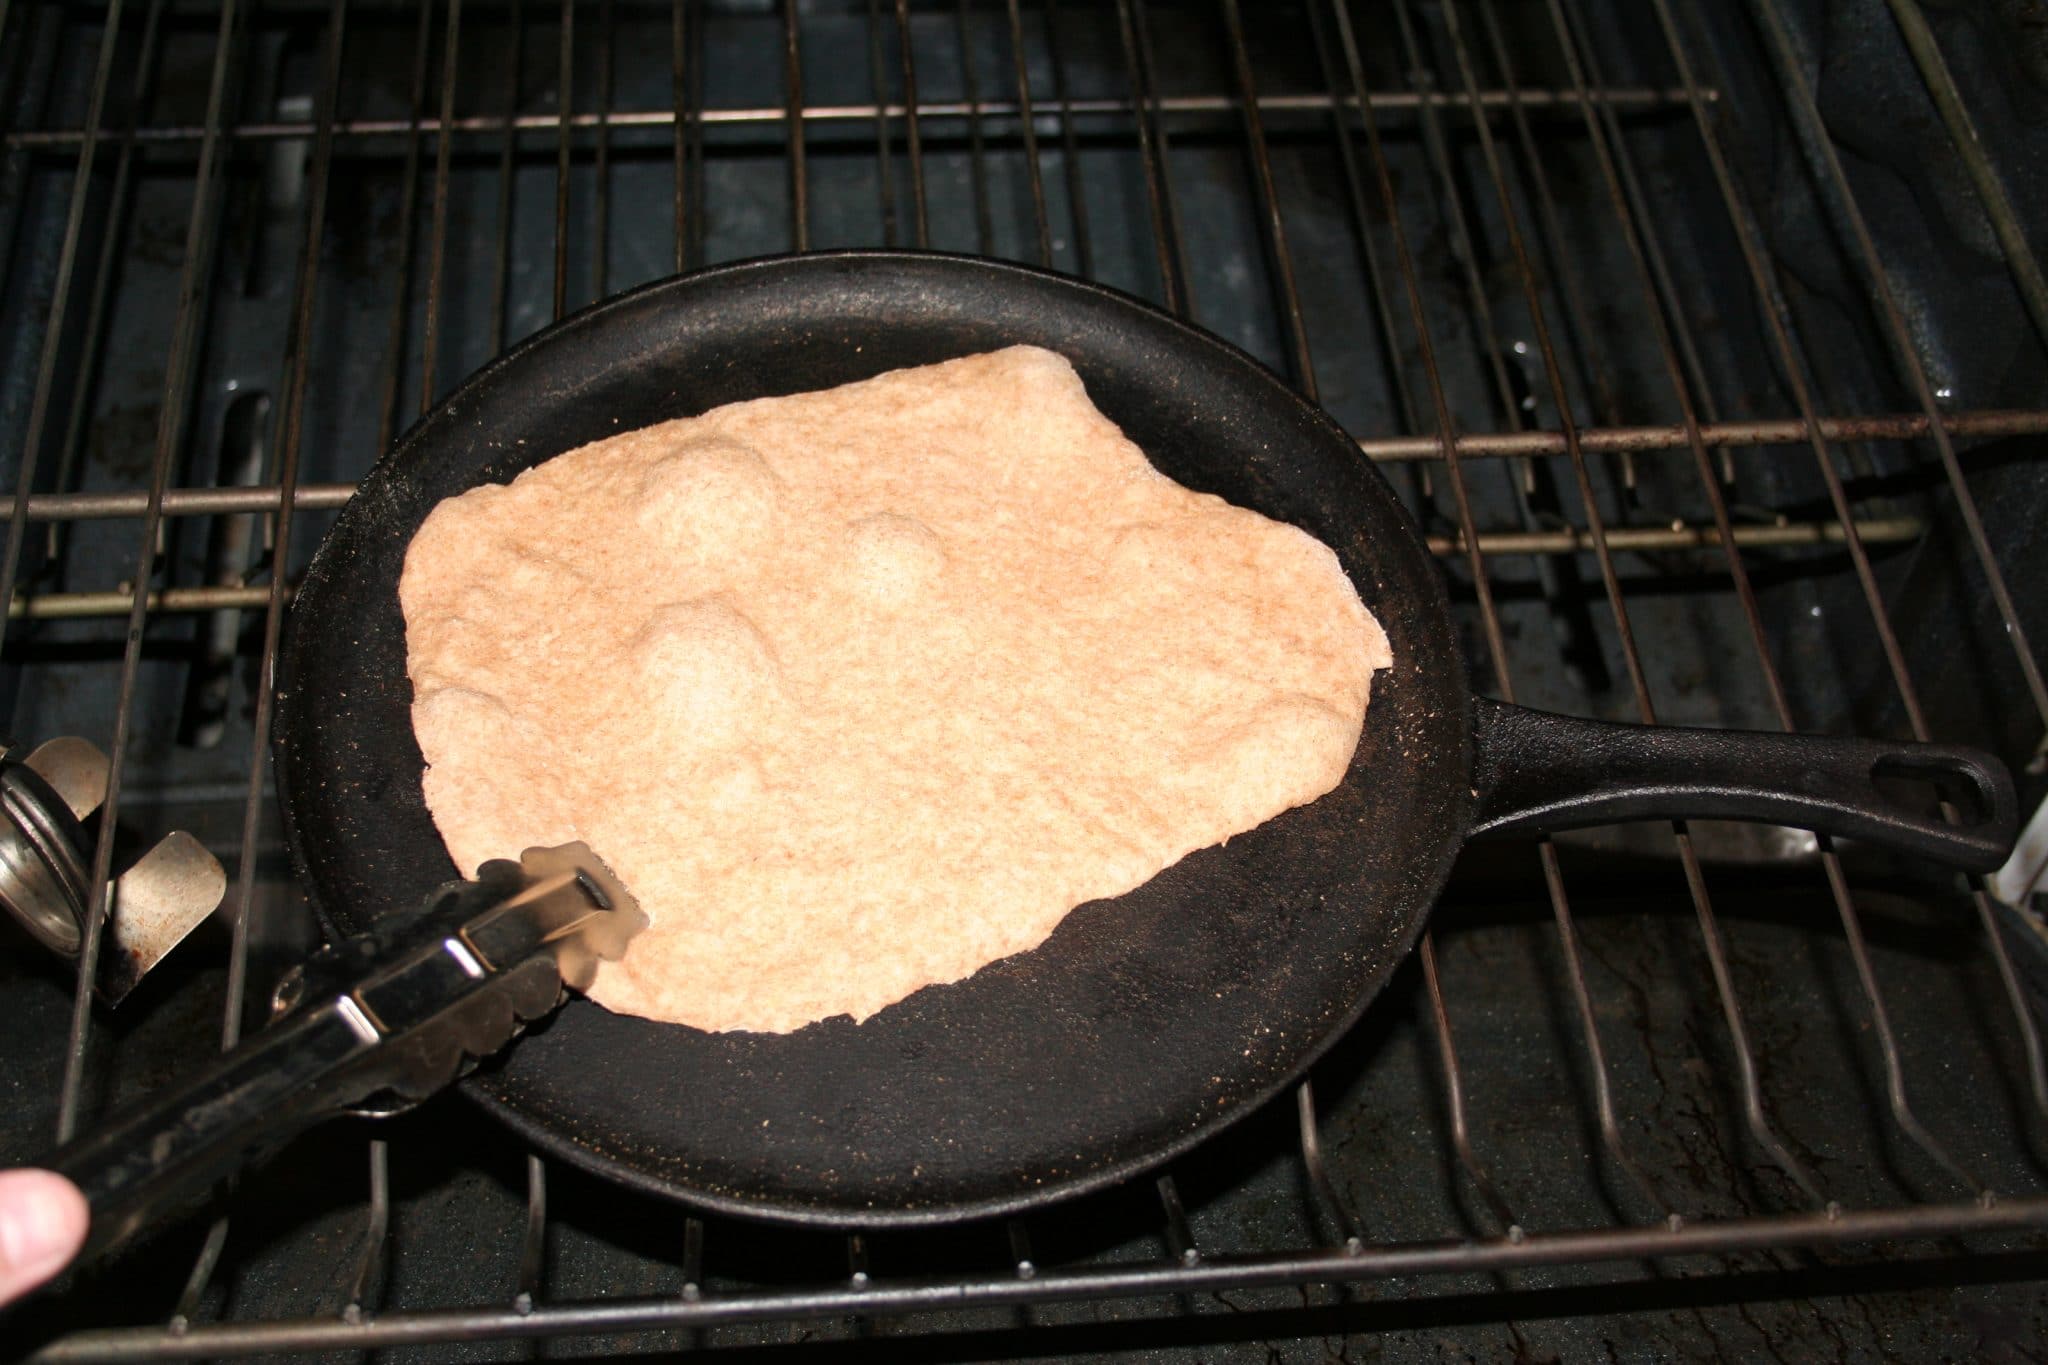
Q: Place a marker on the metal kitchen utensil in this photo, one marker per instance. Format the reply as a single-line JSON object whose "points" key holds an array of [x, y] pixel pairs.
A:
{"points": [[386, 1017], [46, 795]]}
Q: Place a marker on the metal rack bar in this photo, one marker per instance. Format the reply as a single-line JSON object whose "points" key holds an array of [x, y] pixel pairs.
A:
{"points": [[693, 1259], [1180, 1238], [6, 13], [1517, 407], [1880, 1018], [298, 348], [103, 277], [699, 218], [15, 74], [60, 303], [533, 1247], [1143, 117], [1594, 370], [1446, 432], [1375, 273], [565, 102], [366, 1288], [601, 229], [857, 1271], [291, 443], [1454, 1094], [1636, 539], [182, 502], [984, 217], [1027, 125], [1323, 1190], [1761, 1129], [1884, 300], [201, 234], [1611, 1140], [1077, 199], [1962, 131], [1774, 684], [601, 170], [878, 83], [437, 250], [91, 349], [1287, 298], [1439, 1013], [1577, 48], [1020, 1248], [793, 93], [1743, 432], [328, 496], [408, 219], [1494, 354], [1393, 102], [1553, 873], [212, 501], [201, 1274], [912, 137], [1154, 86], [882, 1297], [1274, 230], [367, 1285], [679, 137], [1177, 282], [1792, 365], [508, 166]]}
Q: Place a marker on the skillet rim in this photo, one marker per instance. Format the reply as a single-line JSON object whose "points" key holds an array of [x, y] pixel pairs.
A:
{"points": [[1398, 522]]}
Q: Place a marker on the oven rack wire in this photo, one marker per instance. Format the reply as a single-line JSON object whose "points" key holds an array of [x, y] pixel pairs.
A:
{"points": [[1459, 75]]}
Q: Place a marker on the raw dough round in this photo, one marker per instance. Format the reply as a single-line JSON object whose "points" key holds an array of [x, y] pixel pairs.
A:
{"points": [[861, 690]]}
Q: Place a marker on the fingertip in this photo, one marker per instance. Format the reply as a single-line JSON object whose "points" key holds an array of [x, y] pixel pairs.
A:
{"points": [[43, 1220]]}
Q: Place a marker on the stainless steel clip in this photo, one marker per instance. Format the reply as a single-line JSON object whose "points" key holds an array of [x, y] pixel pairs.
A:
{"points": [[46, 795]]}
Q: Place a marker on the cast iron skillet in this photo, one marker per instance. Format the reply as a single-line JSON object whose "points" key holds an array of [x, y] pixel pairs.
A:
{"points": [[1145, 1023]]}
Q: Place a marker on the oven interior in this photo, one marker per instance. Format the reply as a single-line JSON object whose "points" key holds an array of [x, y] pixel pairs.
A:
{"points": [[1708, 343]]}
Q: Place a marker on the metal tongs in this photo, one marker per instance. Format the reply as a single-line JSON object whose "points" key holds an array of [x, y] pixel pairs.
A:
{"points": [[388, 1017]]}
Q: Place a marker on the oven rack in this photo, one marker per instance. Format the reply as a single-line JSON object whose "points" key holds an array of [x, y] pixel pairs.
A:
{"points": [[1461, 111]]}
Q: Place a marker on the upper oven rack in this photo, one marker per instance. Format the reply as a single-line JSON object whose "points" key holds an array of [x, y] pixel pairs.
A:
{"points": [[1457, 95]]}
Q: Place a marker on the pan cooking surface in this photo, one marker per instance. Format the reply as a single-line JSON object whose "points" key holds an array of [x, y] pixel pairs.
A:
{"points": [[1143, 1023]]}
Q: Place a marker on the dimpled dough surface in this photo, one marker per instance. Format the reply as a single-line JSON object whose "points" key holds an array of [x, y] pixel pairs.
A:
{"points": [[861, 690]]}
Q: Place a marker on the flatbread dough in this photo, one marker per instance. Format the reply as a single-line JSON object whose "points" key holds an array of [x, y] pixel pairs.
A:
{"points": [[864, 689]]}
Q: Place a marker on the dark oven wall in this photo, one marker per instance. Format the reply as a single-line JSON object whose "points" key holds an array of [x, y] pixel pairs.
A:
{"points": [[1708, 345]]}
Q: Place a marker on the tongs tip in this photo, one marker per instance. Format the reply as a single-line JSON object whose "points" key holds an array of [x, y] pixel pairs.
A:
{"points": [[625, 918]]}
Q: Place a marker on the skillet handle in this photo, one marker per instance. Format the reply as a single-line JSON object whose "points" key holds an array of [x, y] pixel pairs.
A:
{"points": [[1538, 771]]}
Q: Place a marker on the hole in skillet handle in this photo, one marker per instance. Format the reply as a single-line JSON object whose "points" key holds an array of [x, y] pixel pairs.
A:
{"points": [[1921, 782], [1537, 772]]}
